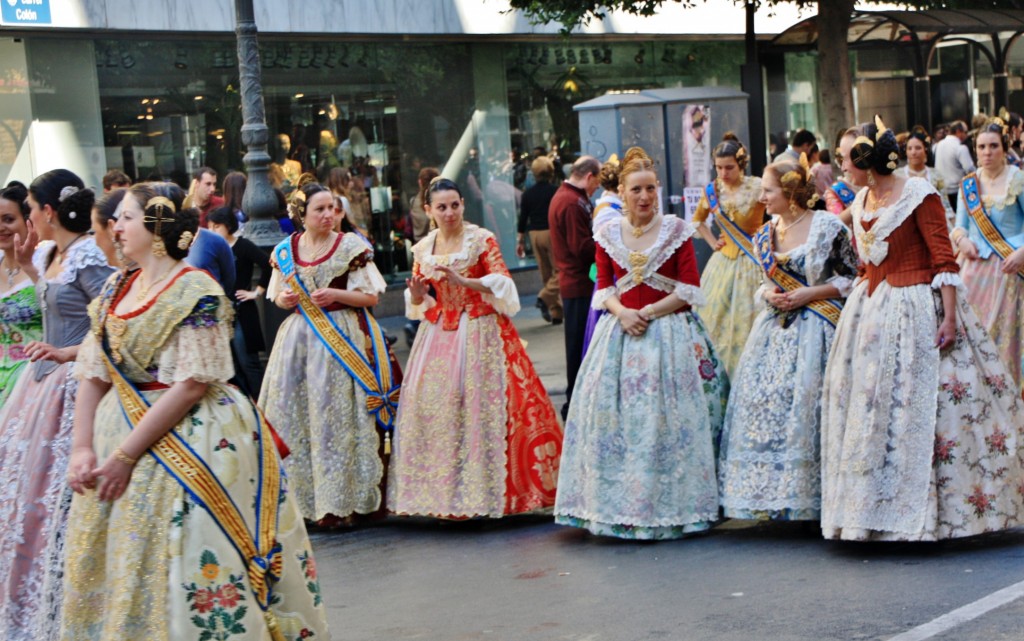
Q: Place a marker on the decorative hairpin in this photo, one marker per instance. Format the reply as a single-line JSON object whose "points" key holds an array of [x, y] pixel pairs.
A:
{"points": [[67, 192]]}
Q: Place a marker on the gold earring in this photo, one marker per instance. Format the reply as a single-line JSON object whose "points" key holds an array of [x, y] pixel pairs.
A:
{"points": [[159, 249], [871, 179]]}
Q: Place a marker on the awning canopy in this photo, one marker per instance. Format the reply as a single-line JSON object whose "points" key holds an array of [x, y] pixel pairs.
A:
{"points": [[877, 27]]}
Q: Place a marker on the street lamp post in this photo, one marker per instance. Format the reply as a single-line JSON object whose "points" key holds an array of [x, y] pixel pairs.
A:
{"points": [[259, 201]]}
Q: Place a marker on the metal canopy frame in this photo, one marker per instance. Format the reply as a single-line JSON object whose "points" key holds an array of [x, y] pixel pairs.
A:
{"points": [[993, 32]]}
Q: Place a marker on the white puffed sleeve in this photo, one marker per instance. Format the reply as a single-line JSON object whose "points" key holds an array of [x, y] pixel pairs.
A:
{"points": [[842, 283], [601, 296], [90, 360], [503, 297], [943, 279], [691, 294], [275, 285], [367, 280]]}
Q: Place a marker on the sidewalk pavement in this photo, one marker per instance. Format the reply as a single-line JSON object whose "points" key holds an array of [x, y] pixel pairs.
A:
{"points": [[545, 344]]}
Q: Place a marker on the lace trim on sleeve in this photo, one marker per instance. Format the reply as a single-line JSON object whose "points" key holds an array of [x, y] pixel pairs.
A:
{"points": [[691, 294], [89, 363], [276, 284], [943, 279], [199, 348], [366, 279], [503, 297], [843, 283], [601, 296], [418, 312]]}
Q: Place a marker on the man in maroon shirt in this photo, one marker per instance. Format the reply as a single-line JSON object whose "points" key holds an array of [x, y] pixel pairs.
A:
{"points": [[202, 194], [572, 243]]}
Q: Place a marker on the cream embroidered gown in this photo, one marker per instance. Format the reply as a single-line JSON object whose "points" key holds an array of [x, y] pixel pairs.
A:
{"points": [[154, 565]]}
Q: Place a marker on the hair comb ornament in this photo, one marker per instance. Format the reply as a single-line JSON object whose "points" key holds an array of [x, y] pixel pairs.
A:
{"points": [[880, 126], [803, 161], [186, 240], [67, 192]]}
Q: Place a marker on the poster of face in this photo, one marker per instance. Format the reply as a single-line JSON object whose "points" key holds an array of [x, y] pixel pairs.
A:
{"points": [[697, 145]]}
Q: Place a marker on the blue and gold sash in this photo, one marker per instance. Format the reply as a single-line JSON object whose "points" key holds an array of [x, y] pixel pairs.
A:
{"points": [[842, 192], [260, 552], [375, 377], [995, 238], [827, 309], [730, 228]]}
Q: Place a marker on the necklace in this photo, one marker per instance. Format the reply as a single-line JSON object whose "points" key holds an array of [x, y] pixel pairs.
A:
{"points": [[640, 231], [876, 202], [321, 248], [11, 274], [781, 231], [992, 178], [68, 246], [144, 289]]}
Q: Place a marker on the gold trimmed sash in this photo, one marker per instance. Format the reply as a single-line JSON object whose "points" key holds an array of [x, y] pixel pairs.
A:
{"points": [[988, 229], [827, 309], [729, 227]]}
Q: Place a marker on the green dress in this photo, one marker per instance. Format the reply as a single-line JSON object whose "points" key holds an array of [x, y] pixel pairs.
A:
{"points": [[21, 322]]}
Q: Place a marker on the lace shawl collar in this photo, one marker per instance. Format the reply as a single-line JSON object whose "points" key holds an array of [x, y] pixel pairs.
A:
{"points": [[741, 201], [825, 226], [82, 254], [672, 234], [474, 243], [871, 244]]}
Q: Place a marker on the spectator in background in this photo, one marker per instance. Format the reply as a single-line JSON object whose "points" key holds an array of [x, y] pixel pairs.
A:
{"points": [[953, 160], [212, 253], [202, 193], [821, 173], [572, 244], [115, 179], [801, 143], [533, 218], [420, 219], [233, 190]]}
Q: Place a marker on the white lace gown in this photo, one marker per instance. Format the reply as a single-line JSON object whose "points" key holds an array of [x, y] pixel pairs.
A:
{"points": [[770, 461], [315, 405], [917, 444]]}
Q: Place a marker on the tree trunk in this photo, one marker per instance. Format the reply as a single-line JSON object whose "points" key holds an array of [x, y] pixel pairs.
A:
{"points": [[835, 85]]}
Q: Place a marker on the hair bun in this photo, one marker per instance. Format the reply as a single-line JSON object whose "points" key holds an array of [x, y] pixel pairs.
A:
{"points": [[730, 136], [634, 153]]}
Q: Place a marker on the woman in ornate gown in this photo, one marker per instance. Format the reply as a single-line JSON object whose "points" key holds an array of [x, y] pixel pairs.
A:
{"points": [[920, 418], [639, 462], [477, 435], [330, 385], [182, 527], [35, 421], [991, 243], [915, 150], [770, 462], [731, 277], [21, 320]]}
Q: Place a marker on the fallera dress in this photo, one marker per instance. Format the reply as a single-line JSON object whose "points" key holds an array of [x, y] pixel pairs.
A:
{"points": [[154, 564], [476, 434], [917, 443], [997, 298], [770, 461], [730, 278], [21, 322], [35, 443], [642, 432], [320, 411]]}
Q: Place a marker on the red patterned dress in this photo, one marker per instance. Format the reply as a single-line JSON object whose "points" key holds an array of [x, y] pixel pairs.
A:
{"points": [[476, 433]]}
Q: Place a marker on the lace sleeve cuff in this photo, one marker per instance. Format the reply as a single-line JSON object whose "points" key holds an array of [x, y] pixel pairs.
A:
{"points": [[418, 312], [201, 354], [601, 296], [843, 284], [89, 363], [691, 294], [943, 279], [367, 280], [503, 296]]}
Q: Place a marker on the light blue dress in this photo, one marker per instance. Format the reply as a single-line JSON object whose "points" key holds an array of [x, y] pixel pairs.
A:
{"points": [[770, 460]]}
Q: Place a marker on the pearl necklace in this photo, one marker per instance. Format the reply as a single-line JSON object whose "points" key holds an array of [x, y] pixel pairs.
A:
{"points": [[781, 231], [640, 231]]}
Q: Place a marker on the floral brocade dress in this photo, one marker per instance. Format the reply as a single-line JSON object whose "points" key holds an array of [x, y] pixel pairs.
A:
{"points": [[35, 444], [997, 298], [641, 437], [21, 322], [918, 443], [336, 465], [730, 278], [770, 462], [476, 434], [154, 564]]}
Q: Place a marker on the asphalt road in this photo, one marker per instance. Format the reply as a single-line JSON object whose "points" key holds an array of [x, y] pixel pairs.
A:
{"points": [[526, 578]]}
